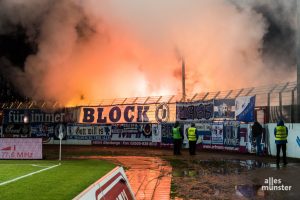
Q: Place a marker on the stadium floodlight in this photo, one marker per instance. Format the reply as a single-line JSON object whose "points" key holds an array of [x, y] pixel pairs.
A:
{"points": [[26, 119]]}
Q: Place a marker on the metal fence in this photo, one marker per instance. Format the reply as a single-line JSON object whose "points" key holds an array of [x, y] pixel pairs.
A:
{"points": [[278, 101]]}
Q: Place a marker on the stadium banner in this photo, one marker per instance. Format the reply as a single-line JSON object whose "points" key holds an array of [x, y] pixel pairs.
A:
{"points": [[244, 138], [166, 133], [204, 131], [194, 111], [244, 108], [114, 185], [224, 108], [42, 130], [217, 134], [148, 113], [132, 132], [231, 138], [88, 132], [21, 148], [16, 130], [28, 116], [156, 133], [127, 143]]}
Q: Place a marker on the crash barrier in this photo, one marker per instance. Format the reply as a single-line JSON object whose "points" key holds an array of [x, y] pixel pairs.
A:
{"points": [[21, 148], [114, 185]]}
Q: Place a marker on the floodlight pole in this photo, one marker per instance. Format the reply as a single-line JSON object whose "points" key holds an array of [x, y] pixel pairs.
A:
{"points": [[183, 80]]}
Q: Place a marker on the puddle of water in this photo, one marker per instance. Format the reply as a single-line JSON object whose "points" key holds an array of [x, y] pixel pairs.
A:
{"points": [[249, 191], [223, 167]]}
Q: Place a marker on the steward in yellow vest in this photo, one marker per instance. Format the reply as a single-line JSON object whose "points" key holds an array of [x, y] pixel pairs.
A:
{"points": [[281, 134], [177, 138], [192, 137]]}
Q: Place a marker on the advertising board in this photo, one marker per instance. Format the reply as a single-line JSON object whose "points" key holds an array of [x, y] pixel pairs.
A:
{"points": [[21, 148], [113, 185]]}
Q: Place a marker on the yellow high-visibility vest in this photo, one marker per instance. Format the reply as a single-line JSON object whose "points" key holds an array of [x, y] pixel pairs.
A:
{"points": [[192, 134], [176, 133], [281, 133]]}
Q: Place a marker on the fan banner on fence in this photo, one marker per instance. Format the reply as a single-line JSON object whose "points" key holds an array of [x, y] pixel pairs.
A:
{"points": [[166, 133], [89, 132], [16, 130], [224, 108], [156, 133], [244, 108], [231, 137], [204, 132], [29, 116], [132, 132], [194, 111], [217, 134], [125, 114]]}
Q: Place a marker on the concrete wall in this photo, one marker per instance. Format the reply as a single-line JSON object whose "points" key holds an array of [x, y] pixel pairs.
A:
{"points": [[293, 148]]}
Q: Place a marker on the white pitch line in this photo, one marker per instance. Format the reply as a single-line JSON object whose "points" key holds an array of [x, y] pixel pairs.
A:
{"points": [[24, 176]]}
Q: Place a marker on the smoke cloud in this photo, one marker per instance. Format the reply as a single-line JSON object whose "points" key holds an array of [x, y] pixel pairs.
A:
{"points": [[87, 50]]}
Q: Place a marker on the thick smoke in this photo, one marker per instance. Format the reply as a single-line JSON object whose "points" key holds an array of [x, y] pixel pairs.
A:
{"points": [[86, 50]]}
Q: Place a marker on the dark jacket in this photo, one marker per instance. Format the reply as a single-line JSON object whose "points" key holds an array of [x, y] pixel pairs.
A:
{"points": [[257, 129], [281, 123]]}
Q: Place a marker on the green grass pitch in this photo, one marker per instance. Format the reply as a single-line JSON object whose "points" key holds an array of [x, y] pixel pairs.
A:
{"points": [[64, 181]]}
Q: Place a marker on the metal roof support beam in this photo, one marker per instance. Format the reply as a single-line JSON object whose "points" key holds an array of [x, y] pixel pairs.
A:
{"points": [[146, 100], [124, 101], [217, 95], [205, 96], [135, 100], [229, 93], [249, 91], [172, 97], [19, 105], [239, 93], [194, 96], [158, 99], [112, 103]]}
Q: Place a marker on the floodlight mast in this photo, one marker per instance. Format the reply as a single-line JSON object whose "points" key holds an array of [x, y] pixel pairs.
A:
{"points": [[183, 80]]}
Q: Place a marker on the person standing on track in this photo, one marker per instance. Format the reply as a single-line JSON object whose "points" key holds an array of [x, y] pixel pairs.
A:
{"points": [[177, 138], [281, 134], [192, 137], [257, 131]]}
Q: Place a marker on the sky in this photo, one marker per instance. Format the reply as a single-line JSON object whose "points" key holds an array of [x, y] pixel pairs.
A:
{"points": [[75, 51]]}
